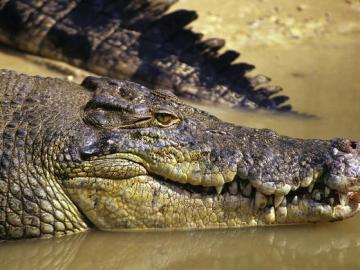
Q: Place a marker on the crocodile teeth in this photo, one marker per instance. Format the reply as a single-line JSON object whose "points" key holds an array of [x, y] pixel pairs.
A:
{"points": [[233, 188], [247, 190], [281, 213], [331, 200], [306, 181], [295, 200], [285, 189], [327, 191], [311, 187], [219, 189], [343, 199], [283, 203], [260, 200], [269, 214], [278, 199]]}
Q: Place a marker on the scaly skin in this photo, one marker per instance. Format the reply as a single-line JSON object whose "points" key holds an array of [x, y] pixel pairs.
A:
{"points": [[134, 40], [116, 155]]}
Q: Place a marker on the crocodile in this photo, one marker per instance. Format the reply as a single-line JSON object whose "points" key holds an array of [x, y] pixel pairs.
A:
{"points": [[116, 155], [137, 40]]}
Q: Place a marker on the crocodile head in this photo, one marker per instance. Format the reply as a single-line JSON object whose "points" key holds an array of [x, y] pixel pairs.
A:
{"points": [[143, 159]]}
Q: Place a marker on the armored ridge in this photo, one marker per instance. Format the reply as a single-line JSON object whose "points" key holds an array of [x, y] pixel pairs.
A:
{"points": [[136, 40], [116, 155]]}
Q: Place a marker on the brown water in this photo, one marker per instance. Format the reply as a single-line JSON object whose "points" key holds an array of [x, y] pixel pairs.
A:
{"points": [[313, 51]]}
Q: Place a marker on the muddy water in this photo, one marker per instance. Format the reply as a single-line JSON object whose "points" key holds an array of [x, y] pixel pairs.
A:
{"points": [[312, 50], [333, 246]]}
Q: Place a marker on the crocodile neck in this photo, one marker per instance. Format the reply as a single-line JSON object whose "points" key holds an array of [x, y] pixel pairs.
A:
{"points": [[32, 202]]}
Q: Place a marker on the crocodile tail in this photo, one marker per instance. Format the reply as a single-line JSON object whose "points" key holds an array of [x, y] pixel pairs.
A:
{"points": [[137, 40], [195, 68]]}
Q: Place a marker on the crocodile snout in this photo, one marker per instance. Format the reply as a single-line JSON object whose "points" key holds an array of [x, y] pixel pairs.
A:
{"points": [[344, 167]]}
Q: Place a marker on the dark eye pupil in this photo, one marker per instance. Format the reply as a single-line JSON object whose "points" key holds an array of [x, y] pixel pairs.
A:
{"points": [[164, 118]]}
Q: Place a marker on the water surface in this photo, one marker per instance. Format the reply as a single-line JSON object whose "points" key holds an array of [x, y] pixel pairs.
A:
{"points": [[315, 58]]}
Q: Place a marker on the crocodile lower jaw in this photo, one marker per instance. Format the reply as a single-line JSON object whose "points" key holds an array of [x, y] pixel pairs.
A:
{"points": [[148, 202]]}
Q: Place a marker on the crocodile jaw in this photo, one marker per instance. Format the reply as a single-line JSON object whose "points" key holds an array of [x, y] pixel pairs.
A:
{"points": [[150, 202]]}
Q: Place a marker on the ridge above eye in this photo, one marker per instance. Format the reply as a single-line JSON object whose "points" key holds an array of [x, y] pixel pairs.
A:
{"points": [[108, 103]]}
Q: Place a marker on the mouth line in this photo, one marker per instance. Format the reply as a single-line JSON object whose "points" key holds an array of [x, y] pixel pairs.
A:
{"points": [[317, 193], [238, 196]]}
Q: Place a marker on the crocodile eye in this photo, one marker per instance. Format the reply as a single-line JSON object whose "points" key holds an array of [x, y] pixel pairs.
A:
{"points": [[166, 119]]}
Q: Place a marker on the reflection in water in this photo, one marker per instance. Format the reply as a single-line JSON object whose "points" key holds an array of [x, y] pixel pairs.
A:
{"points": [[326, 246], [54, 254]]}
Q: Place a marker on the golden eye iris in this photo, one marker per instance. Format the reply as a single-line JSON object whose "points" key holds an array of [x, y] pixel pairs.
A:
{"points": [[166, 118]]}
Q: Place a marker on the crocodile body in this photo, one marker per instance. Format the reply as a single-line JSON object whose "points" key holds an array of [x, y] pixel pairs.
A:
{"points": [[116, 155], [137, 41]]}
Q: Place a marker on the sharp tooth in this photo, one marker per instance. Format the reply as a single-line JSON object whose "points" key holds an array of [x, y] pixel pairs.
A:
{"points": [[295, 200], [318, 173], [219, 189], [283, 203], [343, 199], [278, 199], [233, 188], [281, 213], [260, 200], [311, 187], [331, 200], [269, 214], [306, 181], [285, 189], [247, 190], [327, 191], [256, 183]]}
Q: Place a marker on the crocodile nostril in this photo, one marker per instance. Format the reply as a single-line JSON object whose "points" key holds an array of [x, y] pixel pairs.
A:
{"points": [[354, 145]]}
